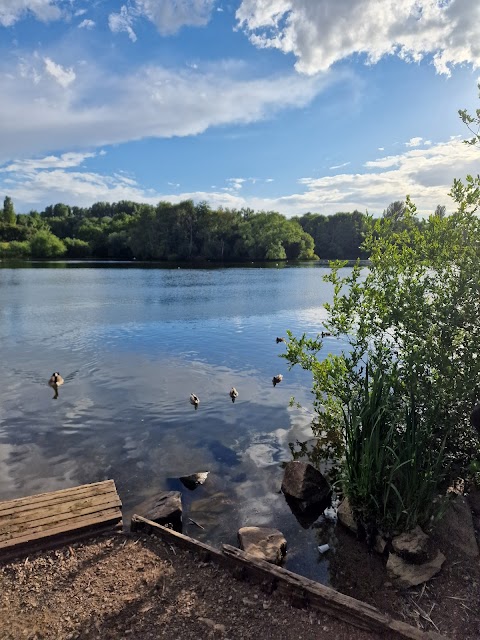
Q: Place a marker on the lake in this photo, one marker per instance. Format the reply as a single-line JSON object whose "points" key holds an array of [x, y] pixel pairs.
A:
{"points": [[132, 342]]}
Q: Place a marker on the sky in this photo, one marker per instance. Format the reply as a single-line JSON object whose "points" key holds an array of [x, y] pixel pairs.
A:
{"points": [[284, 105]]}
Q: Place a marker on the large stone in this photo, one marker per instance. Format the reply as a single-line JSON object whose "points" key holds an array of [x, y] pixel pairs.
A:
{"points": [[194, 480], [406, 575], [412, 545], [166, 508], [345, 516], [305, 483], [456, 529], [263, 543]]}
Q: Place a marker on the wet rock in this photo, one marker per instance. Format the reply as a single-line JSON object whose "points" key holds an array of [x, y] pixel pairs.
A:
{"points": [[456, 528], [305, 483], [166, 508], [306, 514], [412, 545], [345, 516], [263, 543], [406, 575], [194, 480]]}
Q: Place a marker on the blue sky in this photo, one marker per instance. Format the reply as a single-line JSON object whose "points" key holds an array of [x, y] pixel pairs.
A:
{"points": [[286, 105]]}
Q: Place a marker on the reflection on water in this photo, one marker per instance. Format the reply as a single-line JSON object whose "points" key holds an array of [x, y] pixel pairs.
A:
{"points": [[132, 344]]}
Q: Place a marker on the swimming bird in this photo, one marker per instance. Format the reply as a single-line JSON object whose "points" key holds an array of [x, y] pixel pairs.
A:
{"points": [[326, 335], [277, 379], [55, 381], [280, 340], [233, 394], [195, 400]]}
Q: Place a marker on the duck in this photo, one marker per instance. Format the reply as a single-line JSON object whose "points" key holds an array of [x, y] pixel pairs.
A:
{"points": [[280, 340], [233, 394], [277, 379], [195, 400], [325, 334], [56, 380]]}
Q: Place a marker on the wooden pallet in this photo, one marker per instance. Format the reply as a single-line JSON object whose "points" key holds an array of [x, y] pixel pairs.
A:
{"points": [[302, 591], [49, 519]]}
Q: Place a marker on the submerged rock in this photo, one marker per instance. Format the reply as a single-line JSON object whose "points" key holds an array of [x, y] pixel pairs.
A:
{"points": [[194, 480], [263, 543], [405, 575], [166, 508], [305, 483]]}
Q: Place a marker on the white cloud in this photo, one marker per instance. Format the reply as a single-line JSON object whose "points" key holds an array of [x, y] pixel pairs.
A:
{"points": [[101, 108], [322, 32], [414, 142], [44, 10], [424, 174], [381, 148], [169, 16], [86, 24], [123, 21], [63, 76], [339, 166]]}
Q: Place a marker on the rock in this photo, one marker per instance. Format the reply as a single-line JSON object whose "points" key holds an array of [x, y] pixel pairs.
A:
{"points": [[380, 544], [405, 575], [263, 543], [167, 509], [412, 545], [194, 480], [305, 483], [306, 514], [474, 501], [345, 516], [456, 528]]}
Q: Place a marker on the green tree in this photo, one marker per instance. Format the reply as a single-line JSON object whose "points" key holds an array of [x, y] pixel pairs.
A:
{"points": [[45, 245], [8, 216]]}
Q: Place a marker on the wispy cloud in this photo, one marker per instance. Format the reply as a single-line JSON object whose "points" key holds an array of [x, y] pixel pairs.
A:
{"points": [[86, 24], [414, 142], [339, 166], [62, 75], [122, 22]]}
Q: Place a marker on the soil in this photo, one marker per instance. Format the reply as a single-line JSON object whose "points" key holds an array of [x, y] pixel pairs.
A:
{"points": [[132, 585]]}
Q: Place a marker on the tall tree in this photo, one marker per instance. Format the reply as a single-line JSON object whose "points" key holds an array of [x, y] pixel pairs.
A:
{"points": [[8, 211]]}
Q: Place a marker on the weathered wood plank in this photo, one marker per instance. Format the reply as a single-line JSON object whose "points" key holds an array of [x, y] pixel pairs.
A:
{"points": [[89, 520], [309, 592], [328, 600], [66, 512], [14, 516], [61, 495]]}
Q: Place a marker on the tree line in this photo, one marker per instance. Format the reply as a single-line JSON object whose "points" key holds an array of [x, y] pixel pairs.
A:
{"points": [[186, 231]]}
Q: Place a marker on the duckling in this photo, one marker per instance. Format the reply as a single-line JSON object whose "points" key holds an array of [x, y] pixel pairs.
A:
{"points": [[195, 400], [277, 379], [233, 394], [325, 334], [280, 340]]}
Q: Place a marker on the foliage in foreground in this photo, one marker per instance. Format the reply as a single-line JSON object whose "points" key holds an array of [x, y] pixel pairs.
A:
{"points": [[412, 318]]}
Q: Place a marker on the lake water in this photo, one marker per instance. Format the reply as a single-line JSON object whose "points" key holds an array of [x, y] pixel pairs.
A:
{"points": [[132, 343]]}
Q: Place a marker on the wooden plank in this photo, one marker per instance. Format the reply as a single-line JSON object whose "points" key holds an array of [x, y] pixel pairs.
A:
{"points": [[62, 495], [328, 600], [22, 514], [100, 517], [318, 596], [64, 512]]}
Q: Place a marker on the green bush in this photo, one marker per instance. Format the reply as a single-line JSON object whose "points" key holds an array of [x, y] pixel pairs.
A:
{"points": [[45, 245], [14, 249], [77, 248]]}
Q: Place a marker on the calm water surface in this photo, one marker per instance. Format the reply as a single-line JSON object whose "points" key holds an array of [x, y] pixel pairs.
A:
{"points": [[132, 344]]}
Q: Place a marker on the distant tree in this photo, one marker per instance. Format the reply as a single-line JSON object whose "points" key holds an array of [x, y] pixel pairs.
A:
{"points": [[8, 216], [45, 245], [395, 211], [440, 211]]}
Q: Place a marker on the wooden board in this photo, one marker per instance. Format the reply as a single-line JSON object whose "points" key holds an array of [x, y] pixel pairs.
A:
{"points": [[304, 591], [48, 519]]}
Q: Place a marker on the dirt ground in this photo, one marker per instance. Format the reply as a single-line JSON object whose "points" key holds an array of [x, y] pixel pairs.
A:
{"points": [[131, 585]]}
